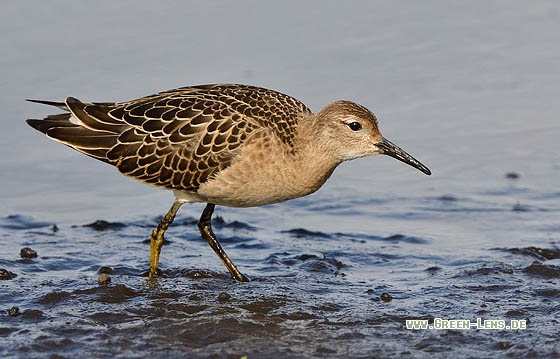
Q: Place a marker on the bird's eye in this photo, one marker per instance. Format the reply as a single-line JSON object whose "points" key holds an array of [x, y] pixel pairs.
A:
{"points": [[355, 126]]}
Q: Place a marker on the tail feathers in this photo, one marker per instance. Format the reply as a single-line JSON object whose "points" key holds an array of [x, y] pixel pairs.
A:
{"points": [[95, 116], [63, 106], [60, 105], [92, 115], [82, 138], [92, 142], [48, 123], [86, 127]]}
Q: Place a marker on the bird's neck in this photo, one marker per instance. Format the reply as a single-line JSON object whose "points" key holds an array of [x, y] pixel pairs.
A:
{"points": [[314, 161]]}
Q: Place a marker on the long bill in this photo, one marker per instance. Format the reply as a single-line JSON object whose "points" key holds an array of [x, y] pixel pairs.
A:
{"points": [[390, 149]]}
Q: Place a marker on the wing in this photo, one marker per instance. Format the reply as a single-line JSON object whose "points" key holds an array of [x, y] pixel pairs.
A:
{"points": [[176, 139]]}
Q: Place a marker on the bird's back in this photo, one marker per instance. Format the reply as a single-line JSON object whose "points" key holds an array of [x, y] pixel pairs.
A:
{"points": [[176, 139]]}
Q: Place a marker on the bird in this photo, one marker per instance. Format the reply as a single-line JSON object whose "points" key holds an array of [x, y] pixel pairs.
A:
{"points": [[220, 144]]}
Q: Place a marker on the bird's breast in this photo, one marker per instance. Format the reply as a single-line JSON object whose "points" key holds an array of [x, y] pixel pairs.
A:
{"points": [[265, 174]]}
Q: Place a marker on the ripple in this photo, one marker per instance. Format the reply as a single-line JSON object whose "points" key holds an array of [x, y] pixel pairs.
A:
{"points": [[186, 309], [405, 239], [487, 270], [19, 222], [218, 222], [315, 264]]}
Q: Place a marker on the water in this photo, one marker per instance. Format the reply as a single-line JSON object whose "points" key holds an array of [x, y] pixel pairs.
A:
{"points": [[470, 89]]}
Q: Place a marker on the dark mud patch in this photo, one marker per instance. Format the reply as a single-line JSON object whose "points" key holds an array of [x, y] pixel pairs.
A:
{"points": [[304, 233], [548, 292], [195, 274], [110, 294], [102, 225], [543, 270], [447, 198], [519, 207], [539, 253], [54, 298], [512, 175]]}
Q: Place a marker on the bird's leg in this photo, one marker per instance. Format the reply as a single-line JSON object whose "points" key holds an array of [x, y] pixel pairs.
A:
{"points": [[205, 227], [156, 239]]}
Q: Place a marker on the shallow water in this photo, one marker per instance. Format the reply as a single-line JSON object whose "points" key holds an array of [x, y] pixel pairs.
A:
{"points": [[469, 89]]}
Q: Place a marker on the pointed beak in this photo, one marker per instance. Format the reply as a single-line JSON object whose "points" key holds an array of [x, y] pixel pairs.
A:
{"points": [[390, 149]]}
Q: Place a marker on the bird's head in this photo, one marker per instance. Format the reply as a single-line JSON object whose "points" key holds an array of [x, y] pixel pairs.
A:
{"points": [[351, 131]]}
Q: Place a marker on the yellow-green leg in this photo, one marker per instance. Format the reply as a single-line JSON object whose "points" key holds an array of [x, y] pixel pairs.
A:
{"points": [[156, 239]]}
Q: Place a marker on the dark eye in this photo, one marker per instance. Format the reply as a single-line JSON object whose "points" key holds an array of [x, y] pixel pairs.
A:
{"points": [[355, 126]]}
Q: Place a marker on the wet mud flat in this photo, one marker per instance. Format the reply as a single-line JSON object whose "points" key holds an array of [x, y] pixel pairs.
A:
{"points": [[312, 294]]}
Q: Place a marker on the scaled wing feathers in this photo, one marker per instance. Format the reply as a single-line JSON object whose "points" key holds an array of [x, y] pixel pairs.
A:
{"points": [[176, 139]]}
